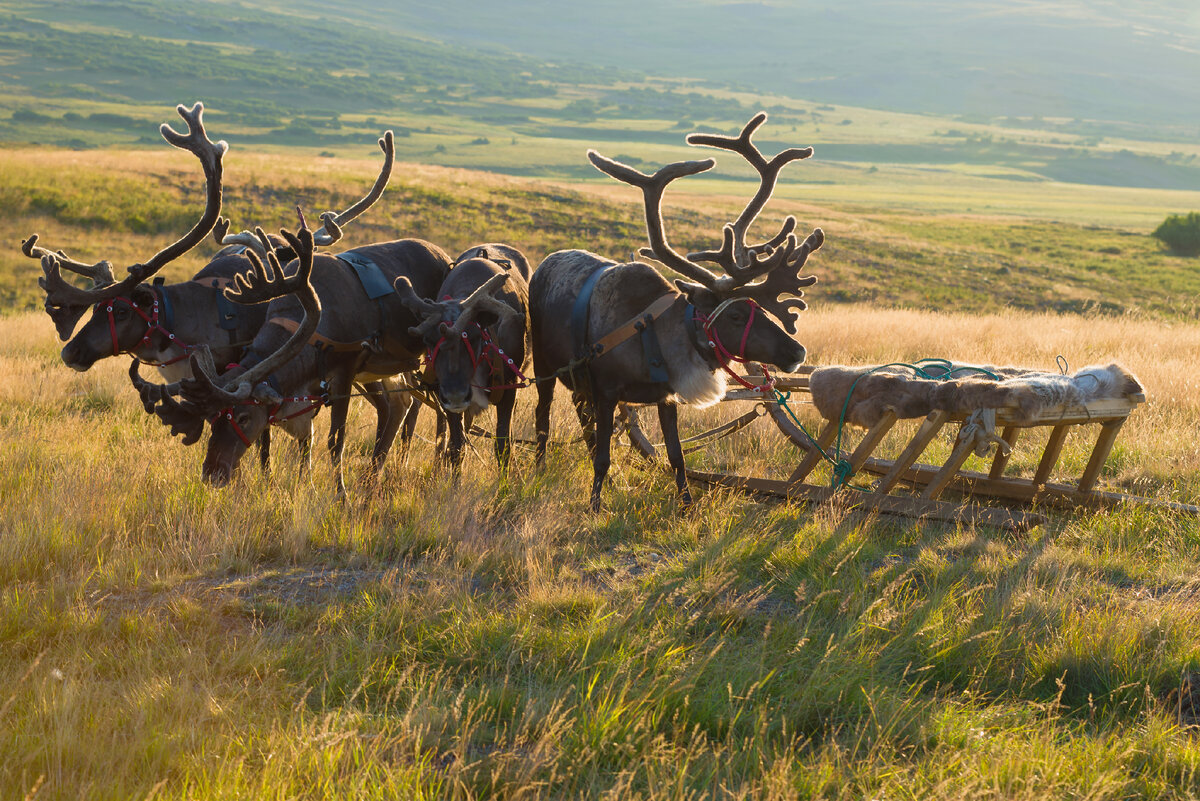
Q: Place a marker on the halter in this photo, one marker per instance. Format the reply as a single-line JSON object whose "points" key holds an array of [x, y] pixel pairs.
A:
{"points": [[487, 345], [152, 325], [724, 357], [315, 402]]}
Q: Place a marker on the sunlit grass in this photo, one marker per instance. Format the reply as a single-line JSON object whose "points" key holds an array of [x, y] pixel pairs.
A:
{"points": [[489, 636]]}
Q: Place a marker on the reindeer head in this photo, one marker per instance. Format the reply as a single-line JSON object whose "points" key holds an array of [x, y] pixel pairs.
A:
{"points": [[120, 308], [729, 307], [239, 402], [453, 331]]}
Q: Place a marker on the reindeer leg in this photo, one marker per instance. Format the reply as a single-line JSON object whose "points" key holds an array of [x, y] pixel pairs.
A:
{"points": [[264, 451], [587, 419], [545, 389], [338, 409], [605, 408], [504, 410], [457, 439], [668, 421], [392, 407]]}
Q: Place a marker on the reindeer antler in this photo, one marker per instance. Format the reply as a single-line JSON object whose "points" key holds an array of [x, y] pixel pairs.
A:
{"points": [[259, 287], [332, 223], [159, 400], [210, 155], [483, 298], [779, 258], [428, 312], [455, 315], [652, 187], [735, 257], [246, 239], [785, 281]]}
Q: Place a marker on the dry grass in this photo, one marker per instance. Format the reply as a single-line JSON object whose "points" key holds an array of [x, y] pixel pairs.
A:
{"points": [[489, 637]]}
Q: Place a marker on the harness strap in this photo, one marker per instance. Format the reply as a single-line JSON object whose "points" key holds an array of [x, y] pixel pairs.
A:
{"points": [[635, 324], [292, 326], [579, 312]]}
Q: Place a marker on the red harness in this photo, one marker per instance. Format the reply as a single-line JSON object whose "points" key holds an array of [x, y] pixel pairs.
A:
{"points": [[487, 347], [152, 325], [314, 402], [724, 357]]}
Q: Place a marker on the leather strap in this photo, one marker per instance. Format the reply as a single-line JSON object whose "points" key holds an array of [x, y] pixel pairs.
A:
{"points": [[634, 325], [579, 312], [292, 326]]}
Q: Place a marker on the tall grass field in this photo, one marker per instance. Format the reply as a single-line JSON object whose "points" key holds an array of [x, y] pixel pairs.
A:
{"points": [[484, 635]]}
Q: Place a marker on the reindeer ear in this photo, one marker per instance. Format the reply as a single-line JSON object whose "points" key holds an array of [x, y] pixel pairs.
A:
{"points": [[697, 294], [142, 295]]}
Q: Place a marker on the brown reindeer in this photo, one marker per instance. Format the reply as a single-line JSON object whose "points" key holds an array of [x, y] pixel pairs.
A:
{"points": [[229, 261], [129, 316], [358, 338], [475, 335], [598, 346]]}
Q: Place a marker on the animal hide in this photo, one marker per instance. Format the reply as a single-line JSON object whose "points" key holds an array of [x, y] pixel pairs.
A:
{"points": [[1027, 392]]}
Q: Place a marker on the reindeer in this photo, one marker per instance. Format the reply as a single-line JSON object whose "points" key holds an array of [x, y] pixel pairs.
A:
{"points": [[232, 260], [475, 335], [130, 316], [684, 331], [357, 339]]}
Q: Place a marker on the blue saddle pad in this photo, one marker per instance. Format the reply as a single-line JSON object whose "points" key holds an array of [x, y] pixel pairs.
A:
{"points": [[369, 274]]}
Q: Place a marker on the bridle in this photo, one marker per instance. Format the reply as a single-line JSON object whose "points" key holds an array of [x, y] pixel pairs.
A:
{"points": [[153, 324], [487, 346], [722, 354], [314, 402]]}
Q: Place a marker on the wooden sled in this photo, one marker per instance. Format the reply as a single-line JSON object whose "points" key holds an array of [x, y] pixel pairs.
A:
{"points": [[928, 482]]}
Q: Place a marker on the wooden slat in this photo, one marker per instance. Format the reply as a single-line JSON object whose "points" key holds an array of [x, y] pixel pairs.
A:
{"points": [[1000, 460], [1050, 456], [947, 471], [1067, 496], [814, 457], [971, 514], [871, 441], [916, 446], [1103, 447]]}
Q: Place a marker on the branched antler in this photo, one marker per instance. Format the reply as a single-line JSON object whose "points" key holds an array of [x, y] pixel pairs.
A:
{"points": [[428, 312], [332, 223], [246, 239], [483, 298], [204, 389], [780, 258], [785, 281], [159, 400], [735, 257], [652, 187], [455, 315], [210, 155], [101, 272]]}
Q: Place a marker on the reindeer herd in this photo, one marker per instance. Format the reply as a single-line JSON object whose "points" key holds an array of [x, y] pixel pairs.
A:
{"points": [[271, 331]]}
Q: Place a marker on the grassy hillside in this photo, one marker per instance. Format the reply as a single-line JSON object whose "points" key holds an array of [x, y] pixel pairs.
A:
{"points": [[489, 637], [1124, 65], [99, 73], [124, 205]]}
